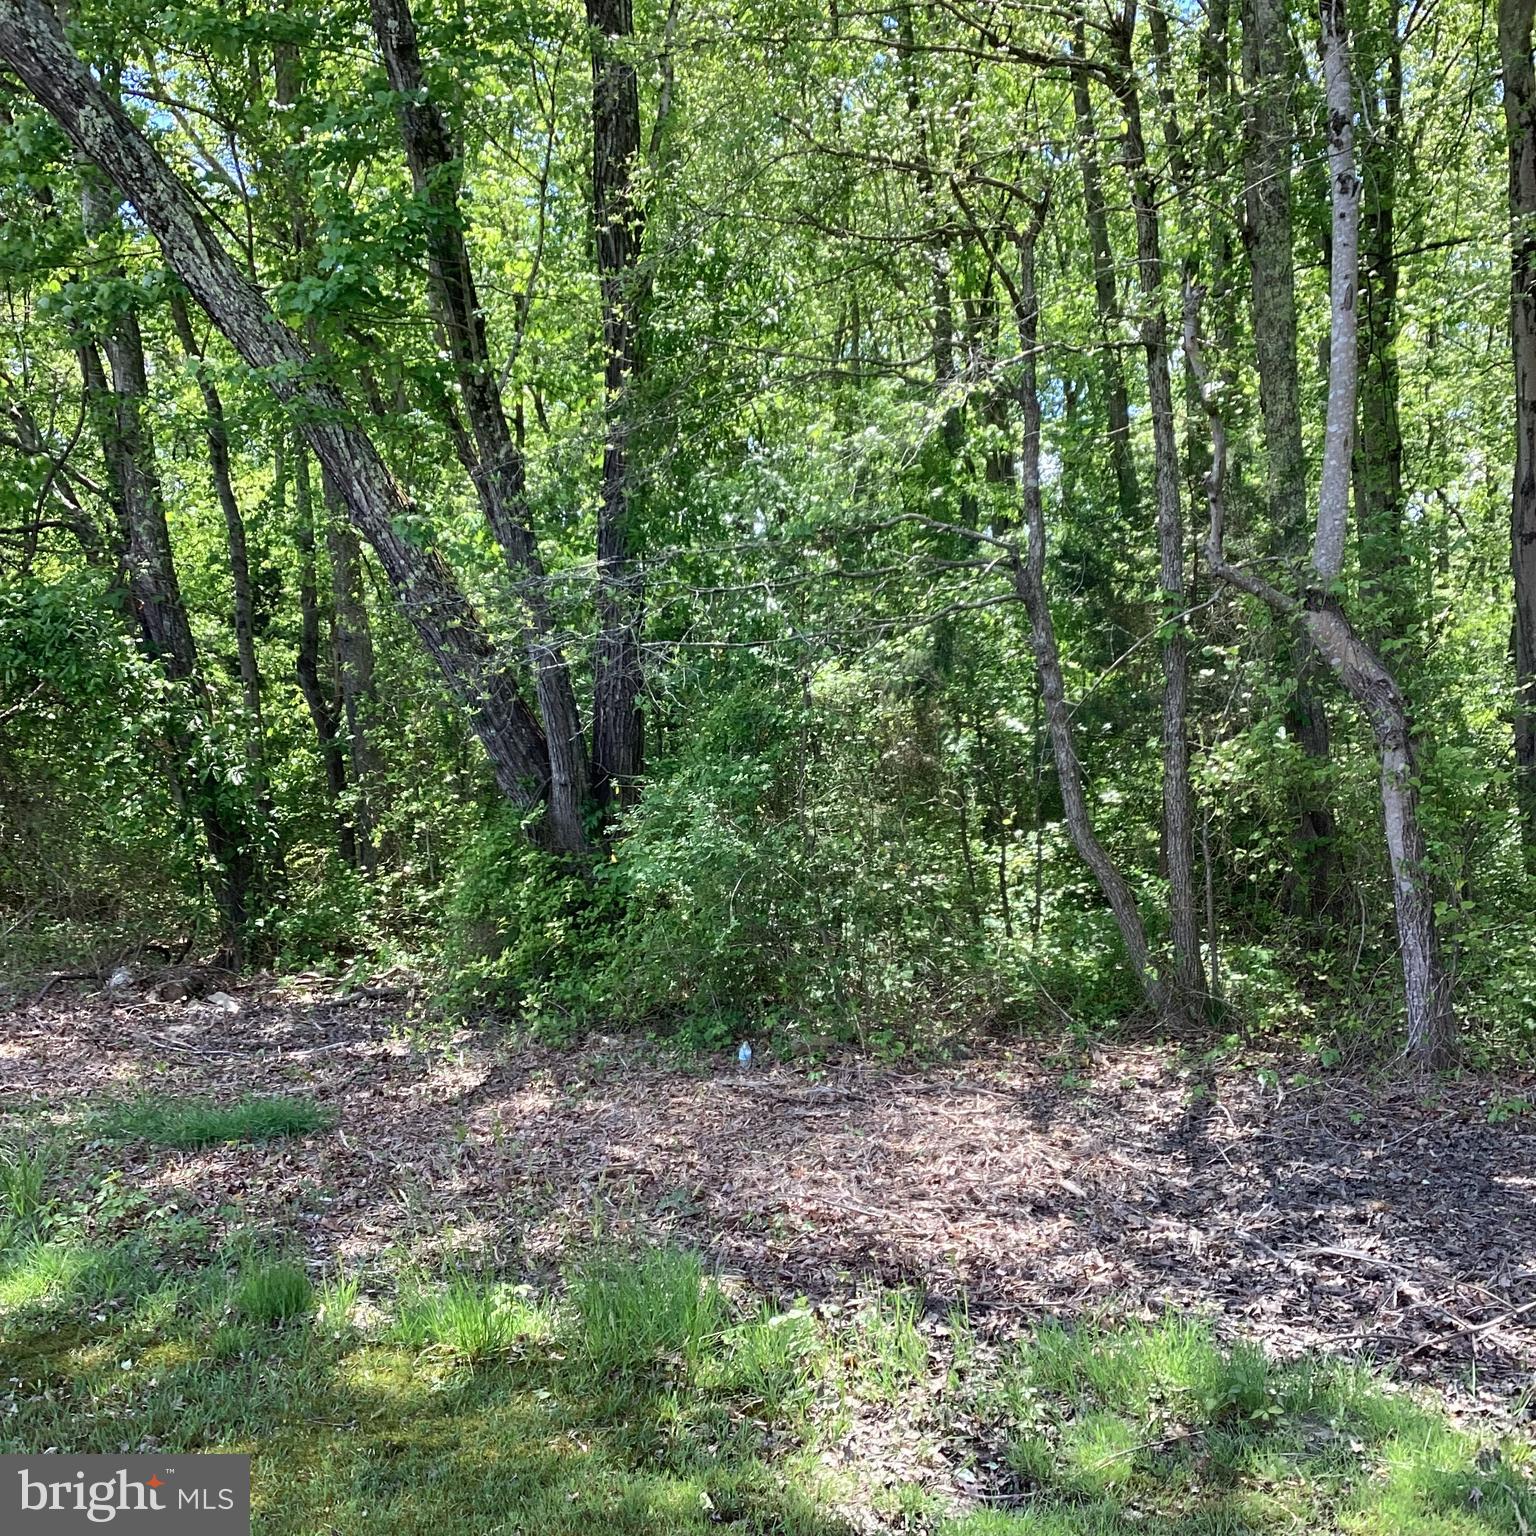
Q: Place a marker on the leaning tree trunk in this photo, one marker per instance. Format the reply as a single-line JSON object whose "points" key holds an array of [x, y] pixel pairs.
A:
{"points": [[1178, 814], [617, 725], [1515, 27], [1029, 583], [33, 44], [1366, 678], [499, 475]]}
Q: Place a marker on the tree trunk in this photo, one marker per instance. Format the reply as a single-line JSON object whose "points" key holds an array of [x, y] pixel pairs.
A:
{"points": [[1366, 678], [1515, 27], [1029, 582], [1106, 300], [499, 476], [323, 705], [1385, 587], [217, 436], [353, 638], [1269, 71], [452, 632], [155, 593], [1178, 814], [617, 724]]}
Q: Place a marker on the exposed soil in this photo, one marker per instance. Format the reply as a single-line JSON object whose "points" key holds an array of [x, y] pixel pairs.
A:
{"points": [[1347, 1214]]}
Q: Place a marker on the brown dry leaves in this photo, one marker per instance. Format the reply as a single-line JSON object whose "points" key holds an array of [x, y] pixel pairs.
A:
{"points": [[1346, 1215]]}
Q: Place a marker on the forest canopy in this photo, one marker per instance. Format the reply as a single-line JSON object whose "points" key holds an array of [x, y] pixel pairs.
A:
{"points": [[720, 516]]}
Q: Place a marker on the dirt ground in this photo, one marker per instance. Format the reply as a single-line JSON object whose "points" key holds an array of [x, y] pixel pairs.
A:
{"points": [[1344, 1214]]}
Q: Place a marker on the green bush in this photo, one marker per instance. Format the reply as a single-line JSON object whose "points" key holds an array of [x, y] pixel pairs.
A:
{"points": [[526, 933]]}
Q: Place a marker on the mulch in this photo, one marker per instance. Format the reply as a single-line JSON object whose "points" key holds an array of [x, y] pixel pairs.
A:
{"points": [[1342, 1212]]}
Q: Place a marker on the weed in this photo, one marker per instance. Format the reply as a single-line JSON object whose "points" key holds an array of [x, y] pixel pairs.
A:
{"points": [[24, 1201], [635, 1310], [886, 1347]]}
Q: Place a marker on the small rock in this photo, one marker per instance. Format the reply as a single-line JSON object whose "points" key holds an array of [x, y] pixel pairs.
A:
{"points": [[120, 980], [222, 1002]]}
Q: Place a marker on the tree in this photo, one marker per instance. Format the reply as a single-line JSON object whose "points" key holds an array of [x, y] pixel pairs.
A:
{"points": [[32, 42], [1515, 18], [1364, 676]]}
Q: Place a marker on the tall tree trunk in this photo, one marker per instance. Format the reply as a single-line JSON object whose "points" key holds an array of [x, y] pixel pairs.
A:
{"points": [[500, 474], [1385, 586], [1106, 301], [617, 725], [1368, 680], [1269, 73], [1178, 813], [1030, 584], [1515, 27], [322, 702], [155, 594], [217, 436], [353, 637], [451, 631]]}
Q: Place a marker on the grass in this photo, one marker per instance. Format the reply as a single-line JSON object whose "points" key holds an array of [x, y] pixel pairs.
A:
{"points": [[475, 1407], [639, 1309], [469, 1318], [24, 1201], [188, 1122], [272, 1291], [638, 1398], [1160, 1430], [888, 1346]]}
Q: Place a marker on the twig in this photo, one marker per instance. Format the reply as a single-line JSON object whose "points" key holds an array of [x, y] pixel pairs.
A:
{"points": [[1473, 1329]]}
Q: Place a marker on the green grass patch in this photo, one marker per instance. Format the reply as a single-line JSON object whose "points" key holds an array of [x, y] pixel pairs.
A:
{"points": [[430, 1421], [887, 1347], [469, 1318], [1161, 1430], [24, 1199], [638, 1309], [269, 1290], [191, 1122]]}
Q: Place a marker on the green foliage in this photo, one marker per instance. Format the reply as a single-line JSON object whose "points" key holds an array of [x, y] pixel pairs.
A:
{"points": [[642, 1309], [849, 824], [171, 1122], [24, 1197], [272, 1290], [524, 933], [472, 1319]]}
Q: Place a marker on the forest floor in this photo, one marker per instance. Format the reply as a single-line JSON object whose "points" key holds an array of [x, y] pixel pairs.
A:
{"points": [[1323, 1216]]}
